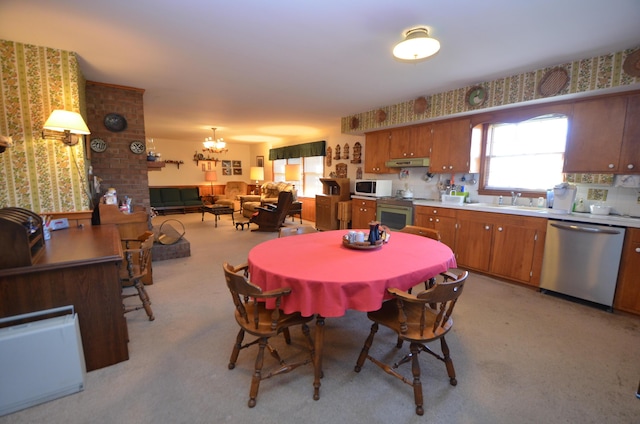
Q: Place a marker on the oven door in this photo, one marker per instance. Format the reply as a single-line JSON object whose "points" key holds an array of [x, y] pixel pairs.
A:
{"points": [[396, 217]]}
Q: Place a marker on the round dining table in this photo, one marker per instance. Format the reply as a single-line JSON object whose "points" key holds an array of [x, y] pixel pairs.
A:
{"points": [[327, 278]]}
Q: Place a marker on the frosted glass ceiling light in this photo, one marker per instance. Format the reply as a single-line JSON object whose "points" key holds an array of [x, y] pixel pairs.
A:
{"points": [[416, 45]]}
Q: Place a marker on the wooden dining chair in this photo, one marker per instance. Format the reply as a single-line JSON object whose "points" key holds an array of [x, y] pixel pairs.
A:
{"points": [[254, 318], [294, 231], [422, 231], [415, 320], [137, 253]]}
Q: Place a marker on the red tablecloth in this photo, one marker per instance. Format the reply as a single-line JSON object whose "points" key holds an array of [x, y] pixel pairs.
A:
{"points": [[327, 278]]}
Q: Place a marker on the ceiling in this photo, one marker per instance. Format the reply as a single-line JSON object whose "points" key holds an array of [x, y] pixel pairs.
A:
{"points": [[288, 70]]}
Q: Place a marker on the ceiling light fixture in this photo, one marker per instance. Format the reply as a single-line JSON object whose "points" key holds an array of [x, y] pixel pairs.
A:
{"points": [[212, 145], [416, 45], [70, 124]]}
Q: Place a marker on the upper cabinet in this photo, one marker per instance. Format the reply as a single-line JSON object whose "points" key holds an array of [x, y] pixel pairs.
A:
{"points": [[453, 150], [595, 138], [630, 152], [377, 152], [411, 142]]}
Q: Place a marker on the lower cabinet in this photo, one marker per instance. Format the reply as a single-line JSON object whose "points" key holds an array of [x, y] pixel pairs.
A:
{"points": [[441, 219], [628, 289], [327, 212], [507, 246], [362, 212]]}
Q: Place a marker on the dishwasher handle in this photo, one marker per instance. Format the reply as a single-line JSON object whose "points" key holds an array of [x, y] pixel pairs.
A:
{"points": [[573, 227]]}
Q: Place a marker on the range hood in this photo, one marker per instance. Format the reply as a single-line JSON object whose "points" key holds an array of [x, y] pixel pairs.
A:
{"points": [[407, 163]]}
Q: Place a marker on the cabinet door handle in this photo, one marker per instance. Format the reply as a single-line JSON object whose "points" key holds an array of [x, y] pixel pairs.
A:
{"points": [[630, 166], [611, 166], [637, 249], [435, 211], [437, 220], [499, 228], [486, 227]]}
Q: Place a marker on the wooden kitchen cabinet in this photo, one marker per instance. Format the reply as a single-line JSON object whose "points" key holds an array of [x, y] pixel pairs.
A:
{"points": [[473, 240], [627, 296], [503, 245], [377, 152], [517, 248], [630, 152], [452, 147], [363, 211], [441, 219], [594, 141], [411, 142]]}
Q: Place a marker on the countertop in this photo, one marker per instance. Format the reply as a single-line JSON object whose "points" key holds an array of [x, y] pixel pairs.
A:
{"points": [[614, 220]]}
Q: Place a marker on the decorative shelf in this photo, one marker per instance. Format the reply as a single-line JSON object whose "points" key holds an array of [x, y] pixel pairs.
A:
{"points": [[175, 162], [155, 165], [197, 161]]}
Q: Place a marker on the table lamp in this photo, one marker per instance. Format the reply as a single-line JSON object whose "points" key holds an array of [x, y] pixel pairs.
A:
{"points": [[256, 173], [211, 176], [292, 175]]}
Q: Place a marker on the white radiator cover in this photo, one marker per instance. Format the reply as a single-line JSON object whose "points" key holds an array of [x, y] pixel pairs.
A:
{"points": [[40, 360]]}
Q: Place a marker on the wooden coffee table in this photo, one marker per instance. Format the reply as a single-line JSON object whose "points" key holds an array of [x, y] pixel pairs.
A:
{"points": [[218, 210]]}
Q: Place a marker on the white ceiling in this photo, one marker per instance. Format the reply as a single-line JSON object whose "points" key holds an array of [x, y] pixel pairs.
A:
{"points": [[290, 69]]}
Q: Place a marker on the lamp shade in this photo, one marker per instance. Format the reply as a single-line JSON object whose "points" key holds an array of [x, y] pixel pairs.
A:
{"points": [[256, 173], [292, 172], [64, 120], [210, 176], [416, 45]]}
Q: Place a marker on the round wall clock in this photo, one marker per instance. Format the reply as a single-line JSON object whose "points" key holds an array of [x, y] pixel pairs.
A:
{"points": [[98, 145], [115, 122], [137, 147], [476, 96]]}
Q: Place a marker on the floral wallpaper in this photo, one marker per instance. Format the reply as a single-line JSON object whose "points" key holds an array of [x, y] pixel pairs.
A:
{"points": [[37, 174], [585, 75]]}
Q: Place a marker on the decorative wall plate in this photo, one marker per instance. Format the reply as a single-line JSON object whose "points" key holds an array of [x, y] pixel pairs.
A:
{"points": [[476, 96], [553, 82], [419, 105], [381, 115], [137, 147], [355, 123], [631, 65], [98, 145], [115, 122]]}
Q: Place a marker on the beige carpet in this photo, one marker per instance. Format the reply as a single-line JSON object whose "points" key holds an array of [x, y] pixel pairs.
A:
{"points": [[520, 357]]}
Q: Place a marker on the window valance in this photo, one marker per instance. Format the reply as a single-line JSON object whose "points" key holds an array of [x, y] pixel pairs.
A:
{"points": [[315, 148]]}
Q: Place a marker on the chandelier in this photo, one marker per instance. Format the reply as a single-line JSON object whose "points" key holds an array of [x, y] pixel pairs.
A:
{"points": [[212, 145]]}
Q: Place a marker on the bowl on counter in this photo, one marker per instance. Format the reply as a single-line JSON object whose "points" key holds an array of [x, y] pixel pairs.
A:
{"points": [[600, 209]]}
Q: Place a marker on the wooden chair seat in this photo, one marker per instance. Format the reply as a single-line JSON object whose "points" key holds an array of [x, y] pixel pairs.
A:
{"points": [[417, 319], [254, 318], [137, 254]]}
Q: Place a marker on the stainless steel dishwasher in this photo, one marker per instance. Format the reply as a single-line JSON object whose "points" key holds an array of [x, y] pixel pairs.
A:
{"points": [[582, 260]]}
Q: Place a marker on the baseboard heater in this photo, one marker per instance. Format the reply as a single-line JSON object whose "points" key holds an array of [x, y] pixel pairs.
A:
{"points": [[40, 360]]}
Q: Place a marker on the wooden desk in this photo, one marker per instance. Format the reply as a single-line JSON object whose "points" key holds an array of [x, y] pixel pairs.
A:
{"points": [[80, 268], [327, 278]]}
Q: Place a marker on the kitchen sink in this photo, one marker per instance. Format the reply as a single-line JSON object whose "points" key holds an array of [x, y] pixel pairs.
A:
{"points": [[513, 207]]}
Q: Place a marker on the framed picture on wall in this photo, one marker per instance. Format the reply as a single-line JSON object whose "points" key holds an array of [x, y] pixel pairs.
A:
{"points": [[226, 171], [260, 161], [237, 164], [226, 164], [237, 171]]}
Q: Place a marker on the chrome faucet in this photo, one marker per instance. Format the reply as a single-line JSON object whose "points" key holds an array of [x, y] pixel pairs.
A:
{"points": [[514, 198]]}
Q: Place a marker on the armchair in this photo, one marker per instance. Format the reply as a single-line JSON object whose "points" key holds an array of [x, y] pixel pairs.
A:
{"points": [[232, 192], [270, 217]]}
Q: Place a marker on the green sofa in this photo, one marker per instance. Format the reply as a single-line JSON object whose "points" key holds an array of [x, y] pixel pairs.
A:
{"points": [[175, 199]]}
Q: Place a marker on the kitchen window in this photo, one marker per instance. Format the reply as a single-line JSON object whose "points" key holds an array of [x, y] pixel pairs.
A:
{"points": [[525, 156]]}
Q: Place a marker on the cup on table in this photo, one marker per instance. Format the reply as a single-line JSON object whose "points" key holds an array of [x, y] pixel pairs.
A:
{"points": [[351, 236], [360, 237]]}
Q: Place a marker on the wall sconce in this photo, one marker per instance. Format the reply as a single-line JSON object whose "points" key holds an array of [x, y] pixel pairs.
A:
{"points": [[66, 122]]}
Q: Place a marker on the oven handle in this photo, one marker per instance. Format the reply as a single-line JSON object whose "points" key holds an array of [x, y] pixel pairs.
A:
{"points": [[572, 227], [387, 206]]}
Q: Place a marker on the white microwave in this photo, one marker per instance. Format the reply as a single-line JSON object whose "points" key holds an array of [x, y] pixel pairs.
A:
{"points": [[374, 188]]}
